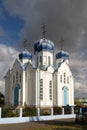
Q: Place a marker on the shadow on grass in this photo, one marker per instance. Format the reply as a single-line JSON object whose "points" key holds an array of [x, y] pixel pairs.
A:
{"points": [[69, 124]]}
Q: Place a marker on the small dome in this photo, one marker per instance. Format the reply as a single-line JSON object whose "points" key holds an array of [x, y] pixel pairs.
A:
{"points": [[62, 54], [25, 55], [43, 44]]}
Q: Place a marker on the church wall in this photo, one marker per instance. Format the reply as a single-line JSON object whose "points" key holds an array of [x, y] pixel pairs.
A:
{"points": [[43, 99], [55, 91], [7, 88], [16, 79], [30, 87], [60, 99], [45, 58], [72, 91]]}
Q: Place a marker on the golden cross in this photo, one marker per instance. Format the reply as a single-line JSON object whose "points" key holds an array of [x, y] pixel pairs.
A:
{"points": [[44, 30], [25, 44]]}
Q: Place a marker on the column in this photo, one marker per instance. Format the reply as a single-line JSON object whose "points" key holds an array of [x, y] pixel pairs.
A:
{"points": [[38, 111], [20, 97], [72, 108], [51, 111], [62, 111], [20, 112], [23, 89], [0, 112]]}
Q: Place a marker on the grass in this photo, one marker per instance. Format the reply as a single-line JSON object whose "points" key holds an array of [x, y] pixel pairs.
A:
{"points": [[59, 127]]}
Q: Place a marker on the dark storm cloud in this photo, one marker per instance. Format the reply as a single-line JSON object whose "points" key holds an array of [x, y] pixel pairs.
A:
{"points": [[65, 18]]}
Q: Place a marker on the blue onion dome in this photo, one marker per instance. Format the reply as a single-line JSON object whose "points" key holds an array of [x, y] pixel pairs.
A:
{"points": [[62, 54], [43, 45], [25, 55]]}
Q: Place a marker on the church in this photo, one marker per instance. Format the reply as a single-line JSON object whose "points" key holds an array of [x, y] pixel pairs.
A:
{"points": [[42, 84]]}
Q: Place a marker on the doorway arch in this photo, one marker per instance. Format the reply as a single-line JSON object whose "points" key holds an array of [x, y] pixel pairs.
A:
{"points": [[65, 96], [16, 95]]}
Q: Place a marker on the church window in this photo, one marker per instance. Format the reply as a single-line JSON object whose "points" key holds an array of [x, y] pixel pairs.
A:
{"points": [[50, 89], [16, 76], [13, 79], [44, 60], [40, 60], [26, 77], [61, 78], [41, 89], [37, 60], [67, 80], [20, 77], [48, 60], [64, 77]]}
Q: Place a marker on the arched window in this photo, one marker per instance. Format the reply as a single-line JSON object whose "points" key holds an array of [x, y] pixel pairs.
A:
{"points": [[16, 76], [37, 60], [50, 89], [60, 78], [20, 77], [41, 89], [64, 77], [13, 79], [67, 80], [49, 60], [40, 60]]}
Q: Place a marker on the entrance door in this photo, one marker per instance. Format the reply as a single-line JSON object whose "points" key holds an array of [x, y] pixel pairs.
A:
{"points": [[16, 95], [65, 96]]}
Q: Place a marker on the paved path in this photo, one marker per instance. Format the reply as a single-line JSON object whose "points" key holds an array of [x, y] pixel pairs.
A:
{"points": [[32, 125]]}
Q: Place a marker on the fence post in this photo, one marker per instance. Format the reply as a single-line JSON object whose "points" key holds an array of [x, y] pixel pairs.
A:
{"points": [[80, 110], [20, 112], [0, 112], [51, 110], [38, 111], [72, 108], [62, 111]]}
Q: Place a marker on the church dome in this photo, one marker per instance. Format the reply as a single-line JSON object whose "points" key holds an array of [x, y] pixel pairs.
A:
{"points": [[25, 55], [43, 45], [62, 54]]}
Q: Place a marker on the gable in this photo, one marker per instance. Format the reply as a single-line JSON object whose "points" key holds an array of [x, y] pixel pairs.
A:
{"points": [[17, 65], [29, 67], [50, 69], [64, 67]]}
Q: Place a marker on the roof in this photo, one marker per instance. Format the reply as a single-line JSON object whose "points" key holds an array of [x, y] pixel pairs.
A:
{"points": [[43, 45], [62, 54], [25, 55]]}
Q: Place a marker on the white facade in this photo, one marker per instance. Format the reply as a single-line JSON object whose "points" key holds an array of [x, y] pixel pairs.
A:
{"points": [[42, 84]]}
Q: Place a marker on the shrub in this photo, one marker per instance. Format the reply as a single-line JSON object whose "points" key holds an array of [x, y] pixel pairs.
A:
{"points": [[57, 110], [29, 111], [9, 112]]}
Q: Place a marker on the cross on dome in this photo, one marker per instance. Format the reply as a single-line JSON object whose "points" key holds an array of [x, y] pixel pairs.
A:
{"points": [[25, 45], [44, 31], [62, 43]]}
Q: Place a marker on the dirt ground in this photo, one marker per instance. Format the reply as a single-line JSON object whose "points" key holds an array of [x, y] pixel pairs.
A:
{"points": [[32, 125]]}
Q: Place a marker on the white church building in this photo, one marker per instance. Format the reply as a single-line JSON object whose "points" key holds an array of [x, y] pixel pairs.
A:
{"points": [[41, 84]]}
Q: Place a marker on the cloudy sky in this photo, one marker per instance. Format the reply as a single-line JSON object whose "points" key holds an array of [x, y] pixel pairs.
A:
{"points": [[22, 19]]}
